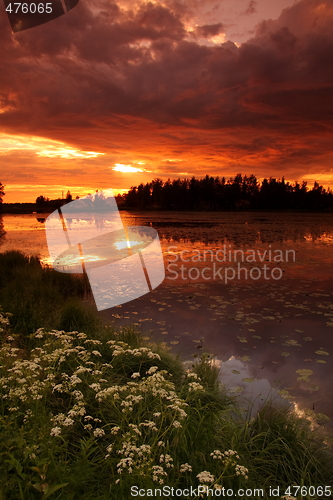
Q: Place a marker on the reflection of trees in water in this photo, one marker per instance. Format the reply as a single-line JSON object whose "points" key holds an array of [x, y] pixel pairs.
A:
{"points": [[2, 232], [215, 228], [245, 234], [97, 202]]}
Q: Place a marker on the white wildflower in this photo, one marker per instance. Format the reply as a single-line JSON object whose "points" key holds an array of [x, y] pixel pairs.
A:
{"points": [[68, 421], [194, 386], [185, 468], [98, 432], [152, 370], [241, 471], [205, 477], [56, 431], [115, 430], [95, 387]]}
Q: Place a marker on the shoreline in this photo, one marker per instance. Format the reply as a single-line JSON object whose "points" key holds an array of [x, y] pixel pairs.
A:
{"points": [[31, 209]]}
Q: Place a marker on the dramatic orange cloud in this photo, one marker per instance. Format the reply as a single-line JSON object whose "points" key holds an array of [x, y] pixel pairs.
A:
{"points": [[160, 89]]}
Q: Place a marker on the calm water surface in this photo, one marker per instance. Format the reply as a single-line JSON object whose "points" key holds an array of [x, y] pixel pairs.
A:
{"points": [[268, 333]]}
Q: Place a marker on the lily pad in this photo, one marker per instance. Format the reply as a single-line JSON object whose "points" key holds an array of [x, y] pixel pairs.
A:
{"points": [[304, 374], [313, 387], [284, 394], [285, 354], [235, 371], [249, 379], [322, 352], [237, 389], [292, 342]]}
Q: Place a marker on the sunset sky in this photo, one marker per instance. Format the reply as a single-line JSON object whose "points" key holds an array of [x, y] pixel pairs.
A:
{"points": [[117, 93]]}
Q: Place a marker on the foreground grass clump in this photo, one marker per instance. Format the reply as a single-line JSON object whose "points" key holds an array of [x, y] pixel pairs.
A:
{"points": [[39, 296], [87, 418]]}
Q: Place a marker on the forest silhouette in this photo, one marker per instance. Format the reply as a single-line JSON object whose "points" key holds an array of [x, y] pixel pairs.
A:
{"points": [[237, 193]]}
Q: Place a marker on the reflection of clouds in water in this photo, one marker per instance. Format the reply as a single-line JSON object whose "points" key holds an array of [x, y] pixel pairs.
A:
{"points": [[236, 376], [253, 393]]}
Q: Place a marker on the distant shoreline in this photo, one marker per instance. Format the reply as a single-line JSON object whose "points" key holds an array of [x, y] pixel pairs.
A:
{"points": [[30, 209], [27, 208]]}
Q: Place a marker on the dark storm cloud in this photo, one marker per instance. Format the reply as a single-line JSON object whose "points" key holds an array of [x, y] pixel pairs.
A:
{"points": [[97, 74], [209, 30]]}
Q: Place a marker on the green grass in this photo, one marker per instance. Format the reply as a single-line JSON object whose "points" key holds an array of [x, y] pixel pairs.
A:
{"points": [[64, 396], [39, 296]]}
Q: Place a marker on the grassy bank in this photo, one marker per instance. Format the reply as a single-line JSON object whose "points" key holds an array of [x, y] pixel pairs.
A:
{"points": [[42, 297], [90, 413]]}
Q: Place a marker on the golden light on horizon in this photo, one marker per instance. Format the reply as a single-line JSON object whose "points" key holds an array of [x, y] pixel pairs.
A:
{"points": [[67, 153], [42, 147], [126, 169]]}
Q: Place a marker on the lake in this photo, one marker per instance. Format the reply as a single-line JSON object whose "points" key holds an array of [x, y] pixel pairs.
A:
{"points": [[253, 289]]}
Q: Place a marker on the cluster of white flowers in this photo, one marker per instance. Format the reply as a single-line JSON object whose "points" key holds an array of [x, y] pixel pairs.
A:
{"points": [[135, 457], [217, 454], [67, 368], [241, 471], [148, 423], [205, 477], [229, 457], [115, 430], [158, 471], [152, 370], [167, 460], [135, 429], [98, 432], [176, 424], [4, 322], [120, 348], [185, 468], [191, 374], [55, 431], [195, 386]]}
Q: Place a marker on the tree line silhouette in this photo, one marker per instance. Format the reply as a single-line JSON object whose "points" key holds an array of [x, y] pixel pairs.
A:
{"points": [[213, 193], [2, 192], [236, 193]]}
